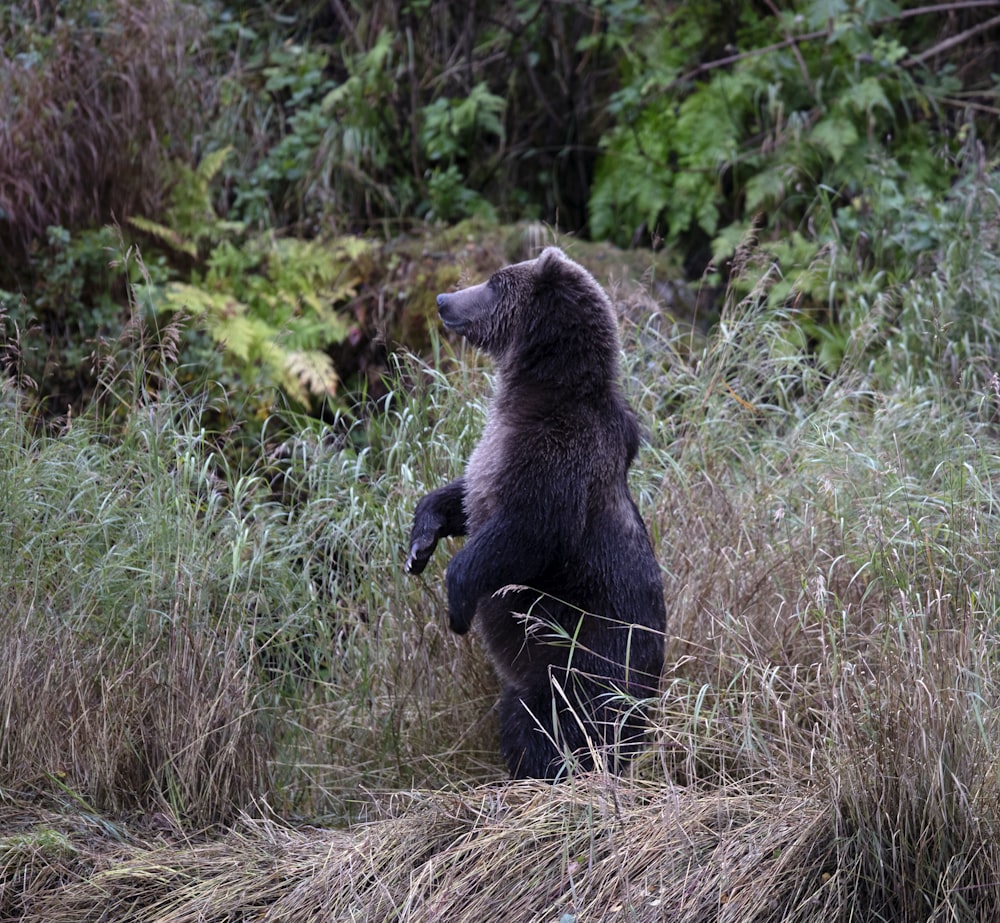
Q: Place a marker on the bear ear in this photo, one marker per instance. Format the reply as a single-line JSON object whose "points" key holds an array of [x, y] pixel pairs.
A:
{"points": [[551, 253], [550, 258]]}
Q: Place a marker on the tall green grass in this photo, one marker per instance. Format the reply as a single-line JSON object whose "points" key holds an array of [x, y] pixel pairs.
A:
{"points": [[190, 635], [207, 642]]}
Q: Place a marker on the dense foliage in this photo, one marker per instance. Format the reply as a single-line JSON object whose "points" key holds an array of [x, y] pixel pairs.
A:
{"points": [[819, 127]]}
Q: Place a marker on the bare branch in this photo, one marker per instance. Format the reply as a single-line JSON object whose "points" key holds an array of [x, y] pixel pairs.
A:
{"points": [[952, 41], [796, 40]]}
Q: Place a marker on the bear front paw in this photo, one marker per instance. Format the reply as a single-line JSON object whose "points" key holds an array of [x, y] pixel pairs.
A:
{"points": [[421, 548]]}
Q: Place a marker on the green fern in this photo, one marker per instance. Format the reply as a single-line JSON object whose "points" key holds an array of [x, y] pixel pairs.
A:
{"points": [[165, 235], [191, 219], [764, 132], [272, 305]]}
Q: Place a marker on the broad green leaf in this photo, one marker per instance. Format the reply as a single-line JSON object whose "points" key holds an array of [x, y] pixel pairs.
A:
{"points": [[866, 96], [834, 135]]}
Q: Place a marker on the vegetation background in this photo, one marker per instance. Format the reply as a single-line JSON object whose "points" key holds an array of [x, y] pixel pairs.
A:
{"points": [[222, 228]]}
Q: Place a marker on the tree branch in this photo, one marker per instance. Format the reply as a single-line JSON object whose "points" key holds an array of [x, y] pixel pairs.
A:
{"points": [[796, 40], [953, 40]]}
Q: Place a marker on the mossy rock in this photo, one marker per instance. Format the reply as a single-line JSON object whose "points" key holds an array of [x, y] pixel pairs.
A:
{"points": [[396, 309]]}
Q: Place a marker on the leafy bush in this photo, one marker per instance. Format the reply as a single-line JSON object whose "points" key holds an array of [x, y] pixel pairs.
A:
{"points": [[364, 118], [74, 302], [329, 138], [704, 148], [451, 132], [830, 149]]}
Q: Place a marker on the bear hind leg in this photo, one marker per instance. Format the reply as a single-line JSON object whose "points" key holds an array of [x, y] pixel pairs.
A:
{"points": [[541, 735], [538, 737], [526, 735]]}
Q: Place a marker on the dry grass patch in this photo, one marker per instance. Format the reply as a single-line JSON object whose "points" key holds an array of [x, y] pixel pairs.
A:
{"points": [[96, 100], [596, 849]]}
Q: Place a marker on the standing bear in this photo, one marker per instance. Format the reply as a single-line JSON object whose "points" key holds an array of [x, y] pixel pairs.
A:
{"points": [[557, 567]]}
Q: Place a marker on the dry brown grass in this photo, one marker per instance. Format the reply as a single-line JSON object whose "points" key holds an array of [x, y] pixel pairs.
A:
{"points": [[93, 113], [172, 722], [597, 849]]}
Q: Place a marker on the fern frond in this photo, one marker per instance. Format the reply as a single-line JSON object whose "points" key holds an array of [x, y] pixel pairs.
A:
{"points": [[165, 234]]}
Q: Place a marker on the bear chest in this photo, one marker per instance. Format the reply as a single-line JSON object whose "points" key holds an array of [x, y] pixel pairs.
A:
{"points": [[485, 471]]}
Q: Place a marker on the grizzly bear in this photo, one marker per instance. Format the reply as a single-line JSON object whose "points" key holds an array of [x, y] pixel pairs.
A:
{"points": [[557, 567]]}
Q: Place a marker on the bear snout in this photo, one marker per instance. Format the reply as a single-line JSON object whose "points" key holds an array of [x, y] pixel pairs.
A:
{"points": [[449, 313], [464, 311]]}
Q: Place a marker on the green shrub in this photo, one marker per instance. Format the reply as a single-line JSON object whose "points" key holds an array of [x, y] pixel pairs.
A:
{"points": [[76, 301], [706, 151]]}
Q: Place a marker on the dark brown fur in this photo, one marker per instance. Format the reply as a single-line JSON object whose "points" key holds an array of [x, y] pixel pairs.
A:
{"points": [[545, 506]]}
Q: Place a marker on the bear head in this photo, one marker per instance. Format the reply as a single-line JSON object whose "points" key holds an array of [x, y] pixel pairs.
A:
{"points": [[548, 313]]}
